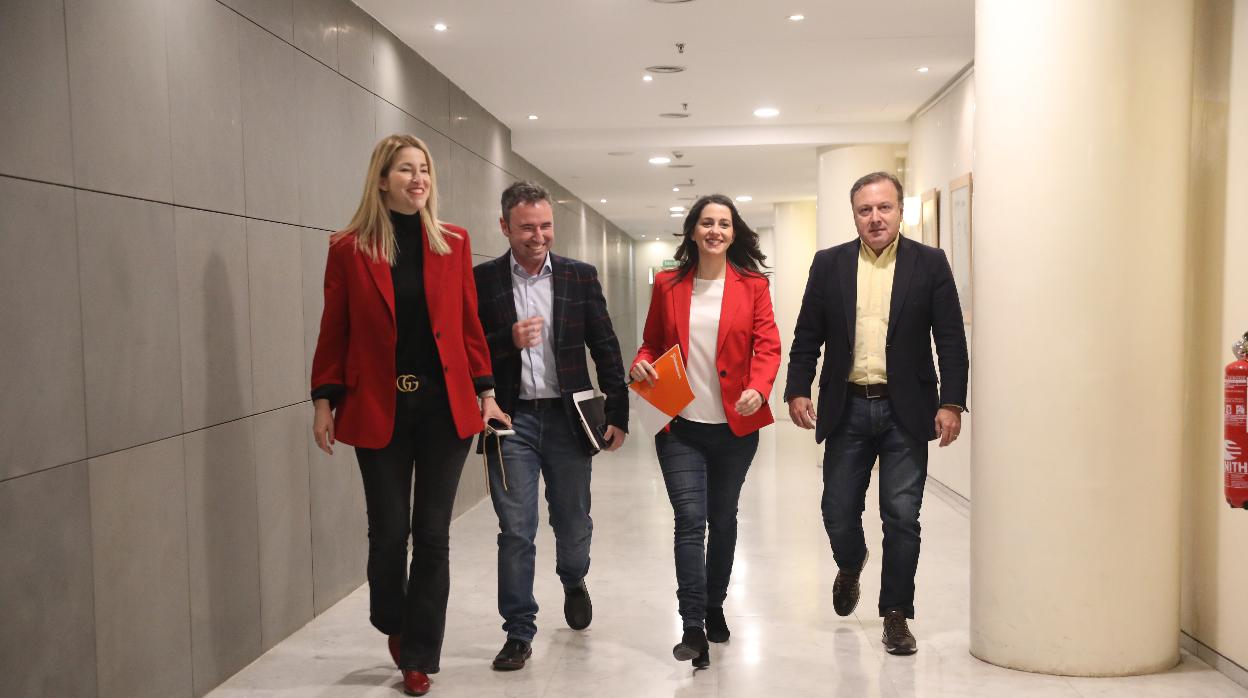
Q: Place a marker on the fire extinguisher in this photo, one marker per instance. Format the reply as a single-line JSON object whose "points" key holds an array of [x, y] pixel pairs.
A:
{"points": [[1235, 425]]}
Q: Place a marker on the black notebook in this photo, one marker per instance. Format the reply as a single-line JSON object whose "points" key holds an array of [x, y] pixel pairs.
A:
{"points": [[591, 409]]}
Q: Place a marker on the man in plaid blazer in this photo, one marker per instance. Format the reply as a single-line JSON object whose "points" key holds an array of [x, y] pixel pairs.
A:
{"points": [[540, 311]]}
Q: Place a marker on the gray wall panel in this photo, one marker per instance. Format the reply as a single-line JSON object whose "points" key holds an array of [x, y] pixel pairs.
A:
{"points": [[476, 129], [355, 45], [339, 524], [270, 157], [34, 91], [214, 317], [45, 581], [119, 96], [275, 273], [222, 535], [139, 557], [42, 321], [205, 105], [285, 540], [276, 16], [316, 29], [128, 273]]}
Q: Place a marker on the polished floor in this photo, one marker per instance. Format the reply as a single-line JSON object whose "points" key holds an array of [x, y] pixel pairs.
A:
{"points": [[787, 640]]}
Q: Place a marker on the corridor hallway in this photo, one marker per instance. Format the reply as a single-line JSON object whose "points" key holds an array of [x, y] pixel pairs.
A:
{"points": [[786, 639]]}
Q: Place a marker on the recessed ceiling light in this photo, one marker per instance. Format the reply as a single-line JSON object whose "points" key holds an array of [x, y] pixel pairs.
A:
{"points": [[676, 209], [675, 188], [923, 69], [439, 27], [659, 160], [647, 78], [744, 198], [796, 18], [643, 237], [602, 201], [532, 117], [675, 215], [766, 112]]}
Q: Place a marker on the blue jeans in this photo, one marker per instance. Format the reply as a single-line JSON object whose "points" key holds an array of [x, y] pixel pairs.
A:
{"points": [[867, 430], [544, 445], [704, 467]]}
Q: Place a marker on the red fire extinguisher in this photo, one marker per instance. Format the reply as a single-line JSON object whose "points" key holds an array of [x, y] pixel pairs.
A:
{"points": [[1235, 425]]}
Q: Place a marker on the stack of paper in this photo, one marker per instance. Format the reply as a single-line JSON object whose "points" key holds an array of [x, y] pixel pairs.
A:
{"points": [[658, 404]]}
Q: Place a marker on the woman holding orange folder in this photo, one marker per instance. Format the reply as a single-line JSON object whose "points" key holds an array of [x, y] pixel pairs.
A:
{"points": [[716, 306]]}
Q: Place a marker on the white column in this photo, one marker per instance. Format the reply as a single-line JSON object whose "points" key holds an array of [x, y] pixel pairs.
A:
{"points": [[794, 239], [839, 168], [1081, 138]]}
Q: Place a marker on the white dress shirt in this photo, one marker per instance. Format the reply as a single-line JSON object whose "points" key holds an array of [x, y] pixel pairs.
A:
{"points": [[534, 296]]}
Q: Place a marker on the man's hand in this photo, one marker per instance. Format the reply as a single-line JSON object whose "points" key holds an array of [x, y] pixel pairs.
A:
{"points": [[948, 425], [614, 436], [802, 412], [527, 333], [749, 402]]}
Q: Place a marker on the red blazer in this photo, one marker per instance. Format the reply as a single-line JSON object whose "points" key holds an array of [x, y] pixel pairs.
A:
{"points": [[747, 349], [357, 341]]}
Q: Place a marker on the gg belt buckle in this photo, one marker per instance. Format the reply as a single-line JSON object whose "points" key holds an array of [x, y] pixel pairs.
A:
{"points": [[407, 383]]}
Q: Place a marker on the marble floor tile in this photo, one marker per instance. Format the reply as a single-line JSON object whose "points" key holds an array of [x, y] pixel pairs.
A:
{"points": [[786, 638]]}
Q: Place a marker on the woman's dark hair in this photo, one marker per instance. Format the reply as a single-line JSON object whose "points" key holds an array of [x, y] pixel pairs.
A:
{"points": [[743, 254]]}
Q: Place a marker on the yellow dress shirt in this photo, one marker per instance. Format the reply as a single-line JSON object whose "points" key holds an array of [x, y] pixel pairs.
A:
{"points": [[875, 293]]}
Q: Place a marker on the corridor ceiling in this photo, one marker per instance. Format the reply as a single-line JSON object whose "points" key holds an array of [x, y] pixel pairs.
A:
{"points": [[847, 73]]}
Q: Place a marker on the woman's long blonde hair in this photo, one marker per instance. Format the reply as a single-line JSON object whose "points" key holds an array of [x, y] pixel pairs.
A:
{"points": [[374, 233]]}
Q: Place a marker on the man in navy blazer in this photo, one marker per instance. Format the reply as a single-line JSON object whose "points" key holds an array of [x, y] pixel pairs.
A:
{"points": [[540, 312], [874, 305]]}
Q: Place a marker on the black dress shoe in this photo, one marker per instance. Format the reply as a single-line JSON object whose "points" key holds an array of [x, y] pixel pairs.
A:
{"points": [[897, 638], [845, 589], [513, 655], [577, 609], [693, 646], [716, 626]]}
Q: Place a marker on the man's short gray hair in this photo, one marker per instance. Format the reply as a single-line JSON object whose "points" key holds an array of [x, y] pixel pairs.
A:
{"points": [[522, 193]]}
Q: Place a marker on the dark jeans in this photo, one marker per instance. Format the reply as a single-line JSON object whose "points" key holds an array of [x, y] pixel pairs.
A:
{"points": [[546, 446], [867, 430], [704, 466], [403, 600]]}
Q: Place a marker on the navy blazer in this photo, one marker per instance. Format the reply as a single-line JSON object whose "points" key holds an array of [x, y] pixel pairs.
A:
{"points": [[580, 320], [924, 307]]}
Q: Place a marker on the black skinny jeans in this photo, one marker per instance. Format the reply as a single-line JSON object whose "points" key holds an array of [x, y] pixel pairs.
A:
{"points": [[403, 600]]}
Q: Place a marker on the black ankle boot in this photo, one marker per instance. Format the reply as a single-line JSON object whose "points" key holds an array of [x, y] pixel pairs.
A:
{"points": [[716, 626], [692, 646]]}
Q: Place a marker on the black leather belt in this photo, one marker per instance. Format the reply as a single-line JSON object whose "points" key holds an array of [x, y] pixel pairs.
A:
{"points": [[542, 403], [870, 392]]}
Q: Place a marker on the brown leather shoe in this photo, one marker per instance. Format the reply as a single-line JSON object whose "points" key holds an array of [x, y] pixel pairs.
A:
{"points": [[845, 589], [415, 683], [897, 638], [394, 642]]}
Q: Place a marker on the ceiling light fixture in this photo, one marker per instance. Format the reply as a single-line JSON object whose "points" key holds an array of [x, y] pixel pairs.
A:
{"points": [[796, 18], [676, 209], [532, 117], [744, 198], [766, 112], [675, 188], [602, 201], [659, 160], [923, 69], [675, 215], [647, 78], [439, 27]]}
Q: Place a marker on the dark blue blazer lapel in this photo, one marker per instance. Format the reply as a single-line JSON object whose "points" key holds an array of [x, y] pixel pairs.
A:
{"points": [[903, 271], [847, 274], [559, 289]]}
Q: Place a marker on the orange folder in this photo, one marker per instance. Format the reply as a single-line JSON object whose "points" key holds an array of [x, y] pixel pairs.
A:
{"points": [[671, 393]]}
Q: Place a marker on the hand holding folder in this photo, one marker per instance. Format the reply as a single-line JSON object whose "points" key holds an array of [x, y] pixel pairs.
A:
{"points": [[670, 394]]}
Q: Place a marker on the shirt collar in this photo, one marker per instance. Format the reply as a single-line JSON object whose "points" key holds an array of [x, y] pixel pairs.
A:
{"points": [[523, 273], [890, 251]]}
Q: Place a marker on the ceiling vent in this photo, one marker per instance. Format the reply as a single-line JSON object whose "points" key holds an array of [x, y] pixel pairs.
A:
{"points": [[671, 2], [665, 69], [678, 166], [673, 115]]}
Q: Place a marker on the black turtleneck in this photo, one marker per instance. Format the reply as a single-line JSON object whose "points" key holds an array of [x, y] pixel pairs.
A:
{"points": [[415, 351]]}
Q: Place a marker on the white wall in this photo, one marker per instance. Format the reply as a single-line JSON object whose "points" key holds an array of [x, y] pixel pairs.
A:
{"points": [[646, 254], [941, 149]]}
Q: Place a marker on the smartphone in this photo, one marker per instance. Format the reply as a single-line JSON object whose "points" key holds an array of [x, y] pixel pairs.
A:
{"points": [[498, 428]]}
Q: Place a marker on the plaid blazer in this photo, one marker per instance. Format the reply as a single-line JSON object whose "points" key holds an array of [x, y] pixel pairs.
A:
{"points": [[580, 320]]}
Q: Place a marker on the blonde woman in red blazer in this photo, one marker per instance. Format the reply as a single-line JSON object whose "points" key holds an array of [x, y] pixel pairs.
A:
{"points": [[717, 306], [400, 364]]}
